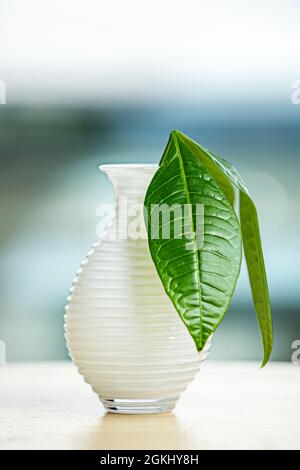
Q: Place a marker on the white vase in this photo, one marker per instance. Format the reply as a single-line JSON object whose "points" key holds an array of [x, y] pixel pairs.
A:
{"points": [[122, 331]]}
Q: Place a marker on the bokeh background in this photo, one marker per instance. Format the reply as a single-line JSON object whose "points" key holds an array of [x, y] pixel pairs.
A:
{"points": [[92, 82]]}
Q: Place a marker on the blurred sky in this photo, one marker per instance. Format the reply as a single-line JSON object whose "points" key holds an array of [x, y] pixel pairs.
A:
{"points": [[90, 82]]}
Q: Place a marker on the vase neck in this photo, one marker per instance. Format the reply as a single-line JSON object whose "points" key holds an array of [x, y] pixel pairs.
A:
{"points": [[130, 181]]}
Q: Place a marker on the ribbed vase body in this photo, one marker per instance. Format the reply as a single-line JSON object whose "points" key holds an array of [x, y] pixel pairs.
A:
{"points": [[122, 331]]}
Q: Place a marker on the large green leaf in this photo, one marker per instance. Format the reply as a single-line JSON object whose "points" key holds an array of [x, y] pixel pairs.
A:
{"points": [[229, 177], [200, 280]]}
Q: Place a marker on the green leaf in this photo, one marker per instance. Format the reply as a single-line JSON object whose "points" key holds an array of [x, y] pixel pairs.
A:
{"points": [[257, 272], [228, 178], [221, 169], [200, 280], [254, 258]]}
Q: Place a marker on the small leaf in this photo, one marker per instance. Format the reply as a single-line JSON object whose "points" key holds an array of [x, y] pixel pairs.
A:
{"points": [[199, 282], [257, 272]]}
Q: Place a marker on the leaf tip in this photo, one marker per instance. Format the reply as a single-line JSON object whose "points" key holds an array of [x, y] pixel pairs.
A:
{"points": [[265, 360], [174, 133]]}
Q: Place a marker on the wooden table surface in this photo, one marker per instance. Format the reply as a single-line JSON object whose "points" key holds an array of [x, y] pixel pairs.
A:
{"points": [[228, 406]]}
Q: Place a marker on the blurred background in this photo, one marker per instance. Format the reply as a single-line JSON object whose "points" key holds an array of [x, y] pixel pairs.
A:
{"points": [[90, 82]]}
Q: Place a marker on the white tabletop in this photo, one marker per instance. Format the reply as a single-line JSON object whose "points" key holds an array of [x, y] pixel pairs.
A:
{"points": [[229, 406]]}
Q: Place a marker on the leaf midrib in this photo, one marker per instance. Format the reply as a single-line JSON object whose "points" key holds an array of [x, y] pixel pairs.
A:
{"points": [[193, 228]]}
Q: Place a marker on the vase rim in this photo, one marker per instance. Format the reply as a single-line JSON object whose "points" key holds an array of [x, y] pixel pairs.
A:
{"points": [[146, 166]]}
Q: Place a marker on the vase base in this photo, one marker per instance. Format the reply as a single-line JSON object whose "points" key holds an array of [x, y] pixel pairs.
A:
{"points": [[138, 406]]}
